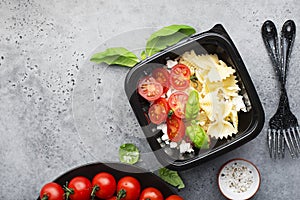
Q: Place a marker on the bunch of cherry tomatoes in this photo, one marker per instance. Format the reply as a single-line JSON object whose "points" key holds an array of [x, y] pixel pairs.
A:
{"points": [[103, 186]]}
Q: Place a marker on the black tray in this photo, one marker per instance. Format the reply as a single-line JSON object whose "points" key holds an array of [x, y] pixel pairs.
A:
{"points": [[214, 41], [118, 170]]}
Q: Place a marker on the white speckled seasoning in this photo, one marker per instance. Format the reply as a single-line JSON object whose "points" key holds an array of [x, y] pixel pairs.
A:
{"points": [[239, 179]]}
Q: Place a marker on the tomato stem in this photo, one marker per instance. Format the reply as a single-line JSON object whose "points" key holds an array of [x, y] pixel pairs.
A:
{"points": [[94, 190], [45, 197], [68, 191], [121, 194], [170, 113]]}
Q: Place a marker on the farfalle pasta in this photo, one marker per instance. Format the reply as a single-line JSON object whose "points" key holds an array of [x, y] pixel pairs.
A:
{"points": [[220, 99]]}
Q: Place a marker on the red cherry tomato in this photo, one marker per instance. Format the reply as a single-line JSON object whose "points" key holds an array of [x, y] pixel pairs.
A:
{"points": [[112, 198], [164, 103], [104, 185], [180, 77], [128, 188], [174, 197], [162, 76], [175, 128], [151, 193], [79, 188], [52, 191], [157, 113], [177, 102], [149, 88]]}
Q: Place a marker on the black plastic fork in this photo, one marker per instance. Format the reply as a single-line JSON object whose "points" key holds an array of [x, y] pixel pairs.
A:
{"points": [[283, 126]]}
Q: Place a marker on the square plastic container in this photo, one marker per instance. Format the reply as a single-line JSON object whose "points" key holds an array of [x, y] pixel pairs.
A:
{"points": [[214, 41]]}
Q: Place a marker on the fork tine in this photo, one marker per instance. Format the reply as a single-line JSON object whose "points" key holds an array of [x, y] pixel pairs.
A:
{"points": [[274, 138], [279, 144], [288, 144], [292, 140], [295, 139], [270, 142], [282, 146]]}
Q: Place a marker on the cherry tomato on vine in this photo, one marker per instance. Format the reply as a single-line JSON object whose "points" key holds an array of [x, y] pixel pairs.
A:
{"points": [[128, 188], [104, 185], [174, 197], [112, 198], [151, 193], [79, 188], [175, 128], [162, 76], [149, 88], [177, 102], [52, 191], [180, 77]]}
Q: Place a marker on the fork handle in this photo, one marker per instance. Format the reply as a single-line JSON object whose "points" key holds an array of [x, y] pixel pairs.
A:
{"points": [[288, 34], [270, 38], [283, 100]]}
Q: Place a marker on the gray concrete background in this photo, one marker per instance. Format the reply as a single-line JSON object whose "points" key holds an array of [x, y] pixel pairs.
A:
{"points": [[58, 111]]}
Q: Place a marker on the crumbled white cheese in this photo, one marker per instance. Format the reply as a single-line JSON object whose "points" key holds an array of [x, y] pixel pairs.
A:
{"points": [[173, 145], [159, 140], [163, 127], [164, 137], [169, 92], [171, 63], [185, 147]]}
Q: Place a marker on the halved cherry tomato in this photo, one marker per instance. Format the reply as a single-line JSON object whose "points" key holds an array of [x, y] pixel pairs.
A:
{"points": [[157, 113], [162, 76], [151, 193], [180, 77], [175, 128], [174, 197], [164, 103], [177, 102], [149, 88], [79, 188], [104, 185], [128, 188], [52, 191]]}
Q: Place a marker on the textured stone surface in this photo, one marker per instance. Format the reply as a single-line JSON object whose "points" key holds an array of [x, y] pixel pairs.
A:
{"points": [[53, 101]]}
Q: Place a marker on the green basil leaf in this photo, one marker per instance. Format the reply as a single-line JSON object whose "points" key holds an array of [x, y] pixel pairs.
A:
{"points": [[116, 56], [197, 135], [192, 106], [167, 36], [143, 55], [129, 153], [171, 177]]}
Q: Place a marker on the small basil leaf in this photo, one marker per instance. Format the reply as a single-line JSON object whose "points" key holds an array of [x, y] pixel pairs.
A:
{"points": [[129, 153], [143, 55], [167, 36], [116, 56], [192, 106], [171, 177], [197, 135]]}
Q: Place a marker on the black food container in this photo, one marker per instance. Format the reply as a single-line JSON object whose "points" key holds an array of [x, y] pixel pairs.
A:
{"points": [[118, 170], [214, 41]]}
